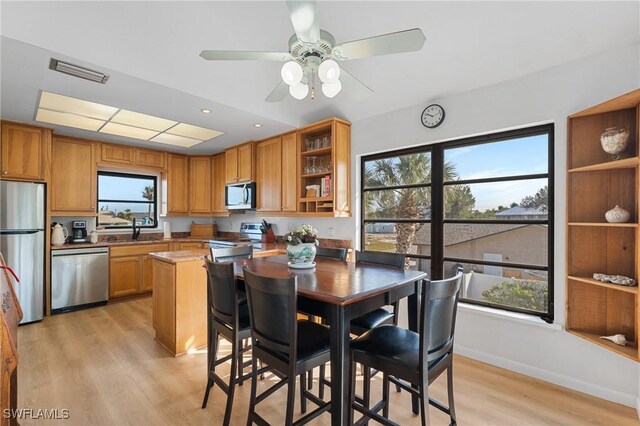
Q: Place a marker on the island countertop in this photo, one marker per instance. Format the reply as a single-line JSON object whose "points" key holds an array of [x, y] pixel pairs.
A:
{"points": [[260, 250]]}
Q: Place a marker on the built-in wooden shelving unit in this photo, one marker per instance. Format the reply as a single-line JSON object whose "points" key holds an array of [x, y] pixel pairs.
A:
{"points": [[595, 184]]}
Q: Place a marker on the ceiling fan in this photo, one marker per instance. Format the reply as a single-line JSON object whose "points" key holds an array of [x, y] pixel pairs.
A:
{"points": [[314, 52]]}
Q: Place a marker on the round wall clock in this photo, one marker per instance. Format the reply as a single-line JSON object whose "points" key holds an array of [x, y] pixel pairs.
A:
{"points": [[432, 116]]}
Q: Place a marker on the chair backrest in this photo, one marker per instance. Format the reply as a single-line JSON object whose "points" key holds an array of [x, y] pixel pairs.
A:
{"points": [[380, 258], [272, 311], [332, 253], [438, 316], [223, 298], [231, 254]]}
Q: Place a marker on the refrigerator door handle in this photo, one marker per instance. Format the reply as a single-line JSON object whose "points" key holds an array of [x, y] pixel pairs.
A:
{"points": [[19, 231]]}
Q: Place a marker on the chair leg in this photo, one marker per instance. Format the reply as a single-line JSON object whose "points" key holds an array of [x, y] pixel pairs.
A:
{"points": [[303, 387], [385, 394], [213, 352], [366, 387], [424, 403], [352, 391], [321, 381], [254, 389], [291, 399], [310, 379], [240, 353], [452, 408], [232, 382]]}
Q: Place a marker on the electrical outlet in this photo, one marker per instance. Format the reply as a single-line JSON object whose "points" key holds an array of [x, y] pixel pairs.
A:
{"points": [[331, 231], [291, 227]]}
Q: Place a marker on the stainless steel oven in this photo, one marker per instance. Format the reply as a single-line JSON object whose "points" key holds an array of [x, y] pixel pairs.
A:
{"points": [[79, 278]]}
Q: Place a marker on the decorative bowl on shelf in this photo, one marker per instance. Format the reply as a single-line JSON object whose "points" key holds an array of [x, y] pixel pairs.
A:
{"points": [[617, 215], [614, 141]]}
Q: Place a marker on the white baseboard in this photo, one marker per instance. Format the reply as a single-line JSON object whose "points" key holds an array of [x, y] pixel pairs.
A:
{"points": [[552, 377]]}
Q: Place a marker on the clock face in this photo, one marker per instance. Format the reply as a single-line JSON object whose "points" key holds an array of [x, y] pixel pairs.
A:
{"points": [[432, 116]]}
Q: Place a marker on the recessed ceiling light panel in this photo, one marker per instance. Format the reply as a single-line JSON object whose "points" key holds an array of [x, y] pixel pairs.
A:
{"points": [[143, 121], [176, 140], [68, 120], [128, 131], [194, 132], [61, 103]]}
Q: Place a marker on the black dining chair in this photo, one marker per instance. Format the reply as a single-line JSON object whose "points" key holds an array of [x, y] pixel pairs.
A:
{"points": [[412, 360], [231, 253], [288, 346], [229, 318], [335, 253]]}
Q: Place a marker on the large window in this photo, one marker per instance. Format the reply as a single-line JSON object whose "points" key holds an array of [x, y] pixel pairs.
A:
{"points": [[123, 198], [482, 203]]}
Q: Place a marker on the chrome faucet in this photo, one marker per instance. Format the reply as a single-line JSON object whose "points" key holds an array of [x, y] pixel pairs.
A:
{"points": [[136, 232]]}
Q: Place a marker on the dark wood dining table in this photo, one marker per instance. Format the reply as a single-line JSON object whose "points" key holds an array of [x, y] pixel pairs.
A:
{"points": [[340, 291]]}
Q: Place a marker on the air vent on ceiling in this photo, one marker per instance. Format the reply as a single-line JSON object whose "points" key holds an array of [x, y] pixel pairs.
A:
{"points": [[78, 71]]}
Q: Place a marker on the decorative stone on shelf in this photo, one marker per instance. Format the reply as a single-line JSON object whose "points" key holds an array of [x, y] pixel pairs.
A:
{"points": [[615, 279], [614, 141], [617, 215], [618, 339]]}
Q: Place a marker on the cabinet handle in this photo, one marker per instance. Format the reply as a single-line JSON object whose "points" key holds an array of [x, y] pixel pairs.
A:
{"points": [[93, 207], [5, 301], [4, 172]]}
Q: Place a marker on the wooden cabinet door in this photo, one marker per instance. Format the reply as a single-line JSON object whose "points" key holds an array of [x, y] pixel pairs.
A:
{"points": [[178, 184], [231, 165], [164, 303], [116, 154], [146, 283], [269, 175], [190, 246], [218, 174], [73, 176], [149, 158], [245, 162], [200, 185], [124, 276], [23, 152], [289, 178]]}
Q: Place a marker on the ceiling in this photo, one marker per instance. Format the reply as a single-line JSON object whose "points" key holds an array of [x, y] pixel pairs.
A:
{"points": [[150, 50]]}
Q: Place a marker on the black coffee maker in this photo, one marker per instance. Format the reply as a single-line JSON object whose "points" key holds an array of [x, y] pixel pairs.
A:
{"points": [[79, 231]]}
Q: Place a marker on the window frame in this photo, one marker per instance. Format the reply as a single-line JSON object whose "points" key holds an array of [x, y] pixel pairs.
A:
{"points": [[129, 176], [438, 221]]}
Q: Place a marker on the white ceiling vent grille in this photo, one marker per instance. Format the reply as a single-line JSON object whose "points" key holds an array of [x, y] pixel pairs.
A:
{"points": [[78, 71]]}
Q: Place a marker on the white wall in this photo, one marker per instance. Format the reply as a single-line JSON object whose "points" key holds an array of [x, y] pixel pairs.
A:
{"points": [[530, 347], [538, 350]]}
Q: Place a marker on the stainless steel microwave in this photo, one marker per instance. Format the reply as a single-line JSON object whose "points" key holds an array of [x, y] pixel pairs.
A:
{"points": [[240, 197]]}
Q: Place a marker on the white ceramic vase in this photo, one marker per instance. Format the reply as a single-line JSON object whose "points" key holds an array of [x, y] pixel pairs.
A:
{"points": [[617, 215], [301, 254]]}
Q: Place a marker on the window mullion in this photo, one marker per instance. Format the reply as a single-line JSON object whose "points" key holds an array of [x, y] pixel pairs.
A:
{"points": [[437, 212]]}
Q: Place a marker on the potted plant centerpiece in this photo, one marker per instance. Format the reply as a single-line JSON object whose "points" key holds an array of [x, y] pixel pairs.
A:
{"points": [[301, 246]]}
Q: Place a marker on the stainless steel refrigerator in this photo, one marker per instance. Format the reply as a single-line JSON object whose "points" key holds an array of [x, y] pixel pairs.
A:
{"points": [[22, 240]]}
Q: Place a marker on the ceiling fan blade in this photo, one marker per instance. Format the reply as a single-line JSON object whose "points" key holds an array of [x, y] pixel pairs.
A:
{"points": [[386, 44], [304, 17], [354, 87], [236, 55], [279, 93]]}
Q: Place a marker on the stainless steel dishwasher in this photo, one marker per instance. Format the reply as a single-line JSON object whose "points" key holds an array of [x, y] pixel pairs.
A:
{"points": [[79, 278]]}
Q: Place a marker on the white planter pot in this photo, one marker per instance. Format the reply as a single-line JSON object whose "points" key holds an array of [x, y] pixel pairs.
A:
{"points": [[301, 254]]}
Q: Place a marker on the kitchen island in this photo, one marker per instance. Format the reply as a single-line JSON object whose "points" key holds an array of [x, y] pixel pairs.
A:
{"points": [[180, 296]]}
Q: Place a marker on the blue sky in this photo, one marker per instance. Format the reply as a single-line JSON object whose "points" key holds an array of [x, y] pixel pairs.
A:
{"points": [[520, 156], [117, 188]]}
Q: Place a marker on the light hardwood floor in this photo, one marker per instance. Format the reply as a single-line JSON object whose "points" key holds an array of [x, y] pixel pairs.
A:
{"points": [[104, 366]]}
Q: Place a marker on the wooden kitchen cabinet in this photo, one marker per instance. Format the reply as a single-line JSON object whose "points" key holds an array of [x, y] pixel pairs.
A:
{"points": [[200, 185], [150, 158], [269, 175], [218, 175], [24, 151], [276, 160], [124, 276], [177, 184], [73, 177], [240, 163], [130, 269], [119, 154]]}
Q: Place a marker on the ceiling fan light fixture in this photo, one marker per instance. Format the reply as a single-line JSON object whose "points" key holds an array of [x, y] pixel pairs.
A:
{"points": [[291, 73], [331, 89], [329, 71], [299, 91]]}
